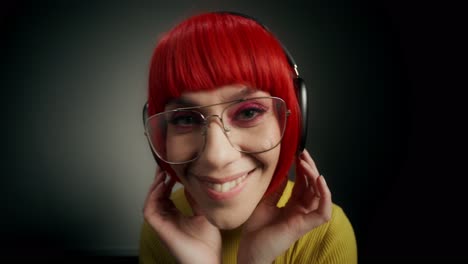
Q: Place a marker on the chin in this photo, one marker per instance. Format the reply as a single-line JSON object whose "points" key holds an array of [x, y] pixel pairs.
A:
{"points": [[228, 226], [228, 221]]}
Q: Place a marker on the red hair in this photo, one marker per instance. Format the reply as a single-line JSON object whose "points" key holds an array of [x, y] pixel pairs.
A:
{"points": [[216, 49]]}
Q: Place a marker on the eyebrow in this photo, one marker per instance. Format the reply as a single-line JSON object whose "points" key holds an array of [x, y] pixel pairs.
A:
{"points": [[185, 102]]}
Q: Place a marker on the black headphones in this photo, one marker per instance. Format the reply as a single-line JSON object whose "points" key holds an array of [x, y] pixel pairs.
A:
{"points": [[299, 86]]}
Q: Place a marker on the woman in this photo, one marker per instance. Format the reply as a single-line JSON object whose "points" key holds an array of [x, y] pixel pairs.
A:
{"points": [[224, 121]]}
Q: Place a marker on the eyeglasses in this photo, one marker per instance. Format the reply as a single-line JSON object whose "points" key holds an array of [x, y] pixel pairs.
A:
{"points": [[252, 125]]}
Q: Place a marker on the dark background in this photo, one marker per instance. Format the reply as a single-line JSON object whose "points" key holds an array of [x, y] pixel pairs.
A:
{"points": [[385, 84]]}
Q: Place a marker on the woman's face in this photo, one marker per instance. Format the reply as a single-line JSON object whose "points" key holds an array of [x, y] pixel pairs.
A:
{"points": [[226, 184]]}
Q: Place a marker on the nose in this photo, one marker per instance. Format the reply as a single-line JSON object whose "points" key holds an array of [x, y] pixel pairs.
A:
{"points": [[218, 151]]}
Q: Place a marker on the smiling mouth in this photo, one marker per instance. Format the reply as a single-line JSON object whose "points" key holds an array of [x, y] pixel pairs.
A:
{"points": [[227, 186]]}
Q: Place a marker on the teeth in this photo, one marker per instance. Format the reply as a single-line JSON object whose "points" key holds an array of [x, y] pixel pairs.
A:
{"points": [[227, 186]]}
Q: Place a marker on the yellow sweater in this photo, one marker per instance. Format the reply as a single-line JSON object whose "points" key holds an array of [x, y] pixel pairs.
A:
{"points": [[332, 242]]}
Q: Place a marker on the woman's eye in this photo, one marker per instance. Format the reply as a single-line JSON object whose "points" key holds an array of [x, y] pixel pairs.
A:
{"points": [[249, 114], [184, 119]]}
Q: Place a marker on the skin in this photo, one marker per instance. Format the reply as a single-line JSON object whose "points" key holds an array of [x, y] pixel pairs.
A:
{"points": [[220, 160], [267, 231]]}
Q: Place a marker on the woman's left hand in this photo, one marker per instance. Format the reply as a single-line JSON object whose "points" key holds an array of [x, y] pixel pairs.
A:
{"points": [[271, 230]]}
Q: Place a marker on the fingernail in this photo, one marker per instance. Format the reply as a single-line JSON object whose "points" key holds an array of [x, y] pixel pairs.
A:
{"points": [[303, 154], [324, 181], [167, 180]]}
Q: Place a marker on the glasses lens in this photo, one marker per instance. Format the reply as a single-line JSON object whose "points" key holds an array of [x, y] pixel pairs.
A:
{"points": [[176, 136], [253, 125]]}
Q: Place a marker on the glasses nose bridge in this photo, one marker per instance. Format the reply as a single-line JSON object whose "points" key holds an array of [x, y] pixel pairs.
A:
{"points": [[221, 122]]}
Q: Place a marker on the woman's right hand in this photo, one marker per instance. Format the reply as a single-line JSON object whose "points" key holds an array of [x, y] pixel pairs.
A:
{"points": [[188, 238]]}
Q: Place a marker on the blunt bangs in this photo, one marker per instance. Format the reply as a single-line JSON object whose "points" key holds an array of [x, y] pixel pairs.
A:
{"points": [[216, 49]]}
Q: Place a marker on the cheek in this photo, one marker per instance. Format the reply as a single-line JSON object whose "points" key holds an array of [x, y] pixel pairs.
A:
{"points": [[182, 148], [185, 179], [269, 160]]}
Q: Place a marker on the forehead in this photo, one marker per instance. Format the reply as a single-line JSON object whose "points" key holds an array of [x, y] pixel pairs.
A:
{"points": [[219, 95]]}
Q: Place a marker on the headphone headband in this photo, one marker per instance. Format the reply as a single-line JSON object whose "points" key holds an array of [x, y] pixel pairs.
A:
{"points": [[290, 58]]}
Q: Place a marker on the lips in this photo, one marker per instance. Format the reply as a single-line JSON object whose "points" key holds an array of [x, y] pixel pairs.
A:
{"points": [[226, 188]]}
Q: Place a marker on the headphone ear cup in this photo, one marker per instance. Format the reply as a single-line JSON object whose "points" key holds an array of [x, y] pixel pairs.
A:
{"points": [[145, 113], [301, 93]]}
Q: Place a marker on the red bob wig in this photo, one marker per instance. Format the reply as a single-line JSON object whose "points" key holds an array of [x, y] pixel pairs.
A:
{"points": [[216, 49]]}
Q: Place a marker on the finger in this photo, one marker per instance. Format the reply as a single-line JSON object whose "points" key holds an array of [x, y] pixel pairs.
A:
{"points": [[151, 192], [309, 199], [300, 181], [308, 158], [325, 198], [158, 199], [159, 206], [169, 185], [158, 178], [311, 177], [324, 210]]}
